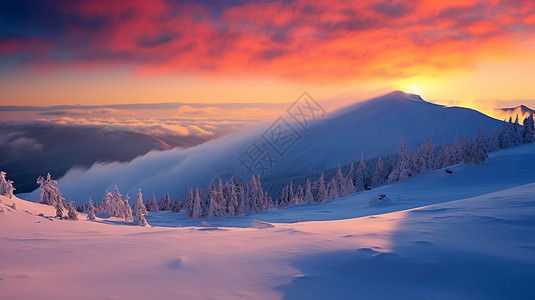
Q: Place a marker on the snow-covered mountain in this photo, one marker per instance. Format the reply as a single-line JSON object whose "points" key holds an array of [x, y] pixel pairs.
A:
{"points": [[521, 111], [373, 127]]}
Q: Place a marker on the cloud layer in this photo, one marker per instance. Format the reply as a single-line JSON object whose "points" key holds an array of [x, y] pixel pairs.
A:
{"points": [[302, 40]]}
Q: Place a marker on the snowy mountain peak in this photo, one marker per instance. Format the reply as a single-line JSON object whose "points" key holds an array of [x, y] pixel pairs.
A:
{"points": [[400, 95]]}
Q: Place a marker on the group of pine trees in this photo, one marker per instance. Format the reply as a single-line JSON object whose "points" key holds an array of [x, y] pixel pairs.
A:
{"points": [[51, 195], [165, 203], [229, 199]]}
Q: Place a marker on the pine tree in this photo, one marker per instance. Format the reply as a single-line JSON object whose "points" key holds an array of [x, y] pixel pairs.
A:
{"points": [[350, 180], [141, 210], [127, 210], [378, 176], [309, 198], [360, 184], [117, 204], [507, 135], [341, 183], [456, 150], [478, 152], [72, 214], [291, 194], [444, 158], [189, 202], [319, 188], [197, 211], [494, 141], [300, 196], [165, 202], [425, 156], [50, 194], [466, 150], [253, 196], [240, 197], [517, 132], [60, 210], [152, 205], [529, 130], [404, 167], [6, 186], [91, 211], [105, 205], [232, 204], [332, 188], [284, 200], [176, 206], [216, 201]]}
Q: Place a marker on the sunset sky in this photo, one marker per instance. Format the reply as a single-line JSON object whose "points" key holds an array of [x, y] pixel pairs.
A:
{"points": [[103, 52]]}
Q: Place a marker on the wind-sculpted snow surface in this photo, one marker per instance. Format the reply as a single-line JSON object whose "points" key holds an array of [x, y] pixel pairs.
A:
{"points": [[478, 247]]}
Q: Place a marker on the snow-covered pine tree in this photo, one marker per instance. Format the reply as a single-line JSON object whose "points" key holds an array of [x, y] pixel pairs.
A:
{"points": [[91, 210], [6, 186], [60, 210], [252, 195], [117, 204], [127, 210], [507, 135], [360, 184], [72, 214], [217, 201], [332, 188], [49, 192], [188, 206], [309, 198], [176, 206], [424, 159], [402, 171], [320, 193], [165, 202], [529, 129], [341, 182], [265, 201], [517, 132], [456, 150], [226, 196], [444, 158], [494, 141], [221, 200], [284, 201], [300, 196], [141, 210], [196, 210], [291, 194], [466, 150], [240, 197], [378, 176], [152, 205], [105, 205], [232, 204], [478, 152]]}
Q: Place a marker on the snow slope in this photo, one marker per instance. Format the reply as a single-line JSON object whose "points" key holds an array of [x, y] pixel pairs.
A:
{"points": [[477, 244], [372, 127]]}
